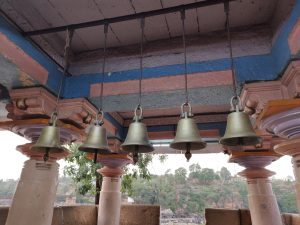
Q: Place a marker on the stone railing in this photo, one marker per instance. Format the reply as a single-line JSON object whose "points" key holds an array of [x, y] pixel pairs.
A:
{"points": [[87, 215], [241, 217]]}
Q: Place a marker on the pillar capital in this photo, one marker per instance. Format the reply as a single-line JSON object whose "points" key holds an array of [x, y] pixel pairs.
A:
{"points": [[255, 173], [25, 149], [31, 129], [114, 160], [255, 157], [281, 117], [110, 172]]}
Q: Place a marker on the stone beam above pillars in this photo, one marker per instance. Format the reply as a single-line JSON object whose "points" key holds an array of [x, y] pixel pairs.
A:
{"points": [[37, 102], [255, 96]]}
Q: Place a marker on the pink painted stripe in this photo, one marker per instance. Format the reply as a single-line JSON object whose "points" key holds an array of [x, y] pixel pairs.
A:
{"points": [[294, 39], [25, 63], [197, 80]]}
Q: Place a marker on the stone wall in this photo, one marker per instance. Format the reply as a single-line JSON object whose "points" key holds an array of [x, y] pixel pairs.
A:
{"points": [[241, 217], [87, 215], [227, 216]]}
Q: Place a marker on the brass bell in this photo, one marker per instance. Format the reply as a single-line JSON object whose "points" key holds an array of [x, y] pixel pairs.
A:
{"points": [[96, 141], [187, 134], [137, 140], [239, 130], [49, 140]]}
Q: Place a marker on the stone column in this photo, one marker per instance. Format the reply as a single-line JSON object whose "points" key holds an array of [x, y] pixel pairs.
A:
{"points": [[292, 148], [35, 194], [110, 195], [263, 205], [262, 202]]}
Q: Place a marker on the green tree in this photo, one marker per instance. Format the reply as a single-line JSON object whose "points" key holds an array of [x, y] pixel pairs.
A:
{"points": [[83, 171], [207, 176], [180, 175], [225, 174]]}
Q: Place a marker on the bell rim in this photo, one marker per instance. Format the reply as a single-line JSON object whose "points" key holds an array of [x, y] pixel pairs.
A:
{"points": [[88, 149], [202, 144], [254, 140], [56, 149], [145, 148]]}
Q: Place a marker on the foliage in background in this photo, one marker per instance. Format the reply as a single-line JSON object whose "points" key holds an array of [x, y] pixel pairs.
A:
{"points": [[83, 171], [7, 188], [188, 192], [184, 193]]}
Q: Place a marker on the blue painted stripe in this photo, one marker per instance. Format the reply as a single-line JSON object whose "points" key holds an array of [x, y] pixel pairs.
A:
{"points": [[262, 68], [54, 75], [248, 68]]}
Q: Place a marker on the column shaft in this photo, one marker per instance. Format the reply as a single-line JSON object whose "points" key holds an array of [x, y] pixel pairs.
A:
{"points": [[35, 194], [110, 201], [262, 202], [296, 167]]}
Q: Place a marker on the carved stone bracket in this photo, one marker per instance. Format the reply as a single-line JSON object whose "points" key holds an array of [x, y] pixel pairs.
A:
{"points": [[37, 102], [255, 96]]}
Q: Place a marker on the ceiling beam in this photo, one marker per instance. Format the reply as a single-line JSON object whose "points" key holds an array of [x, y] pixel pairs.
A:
{"points": [[127, 17]]}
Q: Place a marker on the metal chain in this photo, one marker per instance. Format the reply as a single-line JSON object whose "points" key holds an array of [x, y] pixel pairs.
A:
{"points": [[68, 41], [103, 67], [226, 8], [141, 59], [185, 64]]}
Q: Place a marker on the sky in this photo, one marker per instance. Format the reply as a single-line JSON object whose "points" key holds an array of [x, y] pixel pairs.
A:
{"points": [[11, 161]]}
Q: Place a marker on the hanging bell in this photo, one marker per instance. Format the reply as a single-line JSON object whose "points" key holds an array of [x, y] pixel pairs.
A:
{"points": [[96, 141], [187, 134], [239, 130], [137, 140], [49, 140]]}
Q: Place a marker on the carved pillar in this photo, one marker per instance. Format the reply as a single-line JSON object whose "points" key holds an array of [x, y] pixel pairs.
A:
{"points": [[110, 195], [262, 202], [282, 118], [36, 191], [35, 194]]}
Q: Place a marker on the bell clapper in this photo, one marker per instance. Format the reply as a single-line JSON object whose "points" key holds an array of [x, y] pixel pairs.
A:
{"points": [[46, 155], [135, 155], [95, 156], [188, 154]]}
